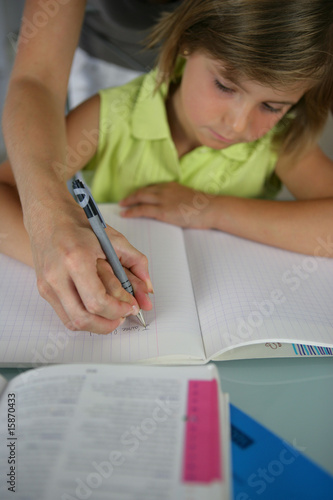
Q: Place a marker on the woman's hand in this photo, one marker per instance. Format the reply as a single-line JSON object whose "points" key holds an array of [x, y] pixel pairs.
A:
{"points": [[75, 278], [170, 202]]}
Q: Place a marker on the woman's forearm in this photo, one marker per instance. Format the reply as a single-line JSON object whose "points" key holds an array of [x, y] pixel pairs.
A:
{"points": [[34, 130], [299, 226], [34, 113]]}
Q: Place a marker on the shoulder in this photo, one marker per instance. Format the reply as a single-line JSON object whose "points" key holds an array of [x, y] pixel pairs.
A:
{"points": [[131, 106], [121, 101], [311, 176]]}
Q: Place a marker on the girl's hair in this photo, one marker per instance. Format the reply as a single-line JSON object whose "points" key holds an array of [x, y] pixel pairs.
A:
{"points": [[279, 43]]}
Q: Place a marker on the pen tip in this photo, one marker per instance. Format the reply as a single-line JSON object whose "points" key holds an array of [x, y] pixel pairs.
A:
{"points": [[141, 318]]}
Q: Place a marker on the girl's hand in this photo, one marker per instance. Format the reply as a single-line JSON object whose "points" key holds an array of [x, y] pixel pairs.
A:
{"points": [[170, 202], [74, 277]]}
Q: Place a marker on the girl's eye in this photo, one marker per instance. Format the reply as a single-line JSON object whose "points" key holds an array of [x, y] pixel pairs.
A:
{"points": [[222, 87], [271, 109]]}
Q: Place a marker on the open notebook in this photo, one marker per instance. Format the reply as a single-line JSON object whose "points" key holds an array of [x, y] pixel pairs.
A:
{"points": [[216, 297]]}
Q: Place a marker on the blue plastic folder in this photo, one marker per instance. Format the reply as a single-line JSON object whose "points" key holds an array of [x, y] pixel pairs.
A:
{"points": [[267, 468]]}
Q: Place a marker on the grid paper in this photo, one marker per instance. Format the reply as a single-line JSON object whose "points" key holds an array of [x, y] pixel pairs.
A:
{"points": [[247, 292]]}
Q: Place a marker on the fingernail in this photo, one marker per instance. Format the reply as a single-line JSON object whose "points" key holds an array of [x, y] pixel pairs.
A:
{"points": [[148, 298], [150, 286], [134, 310]]}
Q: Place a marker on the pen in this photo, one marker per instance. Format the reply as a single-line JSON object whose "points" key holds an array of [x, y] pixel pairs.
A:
{"points": [[87, 202]]}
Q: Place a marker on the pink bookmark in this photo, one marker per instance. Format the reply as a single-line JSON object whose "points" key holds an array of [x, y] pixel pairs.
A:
{"points": [[202, 453]]}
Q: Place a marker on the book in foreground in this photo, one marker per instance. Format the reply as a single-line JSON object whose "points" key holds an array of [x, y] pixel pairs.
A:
{"points": [[216, 297], [265, 466], [108, 432]]}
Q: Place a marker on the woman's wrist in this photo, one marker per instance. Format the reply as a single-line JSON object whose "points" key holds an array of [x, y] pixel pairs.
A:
{"points": [[49, 201]]}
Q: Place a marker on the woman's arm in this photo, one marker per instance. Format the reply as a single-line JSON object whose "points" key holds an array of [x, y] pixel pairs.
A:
{"points": [[301, 226], [68, 260], [81, 121], [33, 119]]}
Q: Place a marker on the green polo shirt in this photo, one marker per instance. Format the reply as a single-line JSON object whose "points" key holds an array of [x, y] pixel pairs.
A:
{"points": [[135, 149]]}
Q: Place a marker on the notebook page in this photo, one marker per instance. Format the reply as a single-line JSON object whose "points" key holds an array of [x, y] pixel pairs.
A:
{"points": [[248, 293], [30, 331]]}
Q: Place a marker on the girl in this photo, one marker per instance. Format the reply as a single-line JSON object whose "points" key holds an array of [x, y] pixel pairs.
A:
{"points": [[235, 106], [241, 114]]}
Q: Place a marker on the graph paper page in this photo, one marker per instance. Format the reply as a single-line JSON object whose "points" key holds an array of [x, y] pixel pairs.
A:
{"points": [[249, 293], [30, 331]]}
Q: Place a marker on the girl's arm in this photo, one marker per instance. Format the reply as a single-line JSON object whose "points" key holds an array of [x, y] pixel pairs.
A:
{"points": [[14, 239], [72, 273], [304, 225]]}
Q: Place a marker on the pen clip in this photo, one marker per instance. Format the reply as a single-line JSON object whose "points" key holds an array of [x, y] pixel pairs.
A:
{"points": [[80, 188], [92, 201]]}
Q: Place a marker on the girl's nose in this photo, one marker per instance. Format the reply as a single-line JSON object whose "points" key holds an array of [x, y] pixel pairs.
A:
{"points": [[238, 118]]}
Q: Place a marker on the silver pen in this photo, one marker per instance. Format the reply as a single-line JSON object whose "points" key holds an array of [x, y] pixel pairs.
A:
{"points": [[87, 202]]}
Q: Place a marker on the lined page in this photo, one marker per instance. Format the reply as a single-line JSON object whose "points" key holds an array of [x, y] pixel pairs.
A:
{"points": [[247, 292], [31, 333], [125, 426]]}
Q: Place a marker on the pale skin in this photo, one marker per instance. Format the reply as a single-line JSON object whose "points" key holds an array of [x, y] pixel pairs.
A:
{"points": [[224, 113], [55, 238], [200, 112]]}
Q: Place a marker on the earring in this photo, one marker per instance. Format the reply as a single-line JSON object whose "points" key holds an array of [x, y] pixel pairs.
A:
{"points": [[185, 52]]}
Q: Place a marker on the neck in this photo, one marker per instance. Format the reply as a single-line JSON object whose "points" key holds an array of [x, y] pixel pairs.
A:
{"points": [[184, 144]]}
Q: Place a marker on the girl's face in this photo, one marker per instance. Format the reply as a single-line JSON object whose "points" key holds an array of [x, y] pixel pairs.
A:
{"points": [[216, 112]]}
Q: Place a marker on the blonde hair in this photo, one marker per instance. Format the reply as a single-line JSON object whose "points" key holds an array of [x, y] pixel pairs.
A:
{"points": [[279, 43]]}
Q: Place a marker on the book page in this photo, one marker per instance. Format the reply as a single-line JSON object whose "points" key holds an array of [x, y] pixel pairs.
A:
{"points": [[31, 332], [108, 432], [250, 293]]}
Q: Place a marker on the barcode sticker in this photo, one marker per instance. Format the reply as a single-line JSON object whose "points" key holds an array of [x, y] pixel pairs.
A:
{"points": [[312, 350]]}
